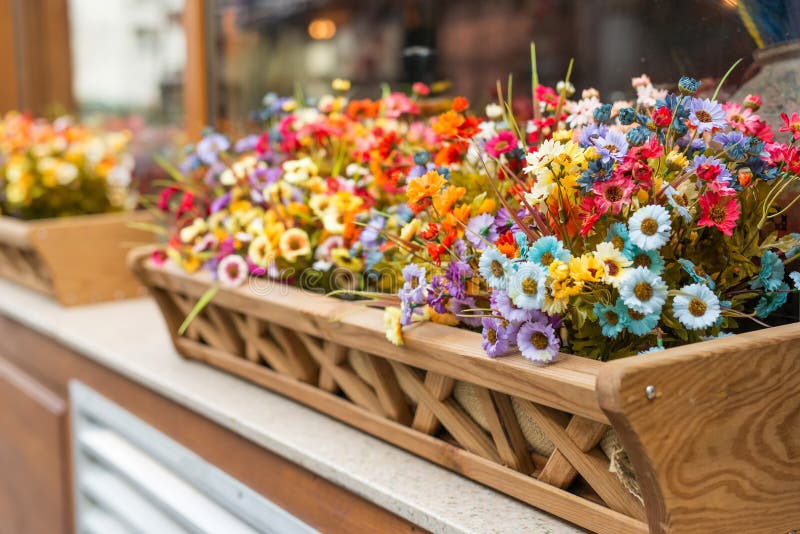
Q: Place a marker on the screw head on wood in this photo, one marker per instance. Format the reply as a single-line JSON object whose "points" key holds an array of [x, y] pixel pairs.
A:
{"points": [[650, 392]]}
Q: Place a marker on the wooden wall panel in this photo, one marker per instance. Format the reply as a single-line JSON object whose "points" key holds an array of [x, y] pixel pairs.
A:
{"points": [[9, 94], [34, 495]]}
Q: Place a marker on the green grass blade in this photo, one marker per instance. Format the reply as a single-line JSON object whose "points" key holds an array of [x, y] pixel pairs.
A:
{"points": [[201, 304]]}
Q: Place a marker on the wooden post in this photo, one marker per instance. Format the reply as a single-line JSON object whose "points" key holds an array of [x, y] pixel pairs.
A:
{"points": [[195, 75]]}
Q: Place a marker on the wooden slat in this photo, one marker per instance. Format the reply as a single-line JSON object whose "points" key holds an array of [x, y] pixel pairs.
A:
{"points": [[717, 448], [505, 411], [300, 363], [580, 511], [388, 390], [586, 434], [441, 387], [466, 431], [350, 383], [592, 465], [507, 453]]}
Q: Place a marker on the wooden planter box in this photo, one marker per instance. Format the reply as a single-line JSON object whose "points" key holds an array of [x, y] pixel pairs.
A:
{"points": [[712, 429], [76, 260]]}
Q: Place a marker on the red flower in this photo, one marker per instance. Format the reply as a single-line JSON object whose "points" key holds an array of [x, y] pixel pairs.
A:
{"points": [[612, 194], [589, 215], [719, 211], [435, 252], [752, 101], [662, 117], [792, 124], [547, 95], [507, 244], [460, 103], [430, 232], [708, 172], [165, 196]]}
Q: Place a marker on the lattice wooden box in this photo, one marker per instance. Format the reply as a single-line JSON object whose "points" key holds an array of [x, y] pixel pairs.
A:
{"points": [[76, 260], [713, 430]]}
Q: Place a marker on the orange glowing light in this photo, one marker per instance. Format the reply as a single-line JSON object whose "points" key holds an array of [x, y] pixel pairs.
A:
{"points": [[321, 29]]}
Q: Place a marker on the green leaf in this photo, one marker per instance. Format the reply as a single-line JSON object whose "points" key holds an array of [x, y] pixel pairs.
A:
{"points": [[201, 304]]}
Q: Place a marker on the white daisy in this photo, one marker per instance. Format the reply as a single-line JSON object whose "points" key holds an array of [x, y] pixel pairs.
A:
{"points": [[650, 227], [526, 286], [696, 307], [643, 291]]}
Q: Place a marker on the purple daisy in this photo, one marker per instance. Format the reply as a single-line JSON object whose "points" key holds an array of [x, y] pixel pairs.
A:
{"points": [[220, 203], [457, 271], [494, 337], [538, 341], [590, 132], [459, 306], [437, 294], [706, 115], [210, 146], [415, 285], [501, 303], [481, 229], [611, 146]]}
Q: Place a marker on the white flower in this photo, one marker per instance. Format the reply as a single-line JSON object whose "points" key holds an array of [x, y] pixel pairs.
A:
{"points": [[494, 111], [232, 271], [66, 173], [189, 233], [299, 170], [643, 291], [696, 307], [650, 227], [526, 286], [582, 111], [494, 267]]}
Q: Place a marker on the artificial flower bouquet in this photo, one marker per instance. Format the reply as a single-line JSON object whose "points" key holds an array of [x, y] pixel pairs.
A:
{"points": [[315, 200], [623, 228], [61, 168], [65, 197]]}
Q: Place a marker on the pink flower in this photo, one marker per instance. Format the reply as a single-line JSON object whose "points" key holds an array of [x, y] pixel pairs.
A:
{"points": [[792, 124], [613, 194], [397, 104], [421, 89], [719, 211], [501, 143]]}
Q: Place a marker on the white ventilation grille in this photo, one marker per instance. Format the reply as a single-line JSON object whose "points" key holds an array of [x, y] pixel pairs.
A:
{"points": [[132, 479]]}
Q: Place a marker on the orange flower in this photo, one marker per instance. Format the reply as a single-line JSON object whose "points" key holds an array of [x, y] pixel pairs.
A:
{"points": [[448, 123], [487, 206], [447, 198], [460, 103], [507, 245], [449, 154], [421, 190]]}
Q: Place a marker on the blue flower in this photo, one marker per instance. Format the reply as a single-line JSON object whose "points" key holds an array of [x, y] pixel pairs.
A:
{"points": [[611, 146], [641, 324], [638, 136], [612, 319], [617, 235], [649, 259], [688, 86], [526, 286], [494, 267], [795, 276], [602, 112], [643, 291], [422, 157], [627, 116], [770, 302], [696, 307], [770, 277], [650, 227], [651, 350], [733, 143], [210, 146], [597, 171], [546, 249], [697, 275]]}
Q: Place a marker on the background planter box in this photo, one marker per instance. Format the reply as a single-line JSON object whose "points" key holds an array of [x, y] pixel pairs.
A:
{"points": [[713, 429], [76, 260]]}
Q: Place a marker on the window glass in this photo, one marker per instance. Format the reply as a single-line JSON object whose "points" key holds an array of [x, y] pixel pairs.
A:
{"points": [[284, 46]]}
